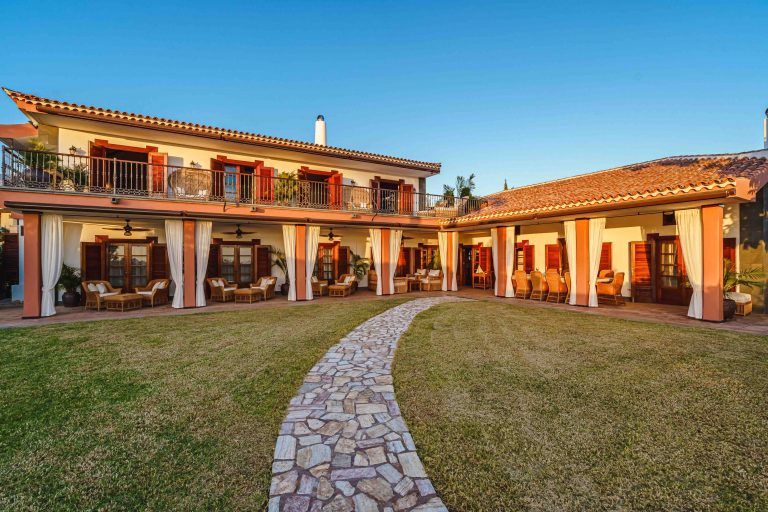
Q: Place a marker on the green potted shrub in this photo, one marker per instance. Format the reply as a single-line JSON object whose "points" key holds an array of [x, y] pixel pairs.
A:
{"points": [[359, 265], [286, 188], [752, 277], [70, 281], [279, 261]]}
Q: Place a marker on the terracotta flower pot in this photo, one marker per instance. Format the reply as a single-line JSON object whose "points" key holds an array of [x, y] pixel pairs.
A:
{"points": [[70, 299], [284, 289]]}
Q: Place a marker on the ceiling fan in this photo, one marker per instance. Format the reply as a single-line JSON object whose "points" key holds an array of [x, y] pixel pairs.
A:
{"points": [[128, 230], [330, 236], [239, 232]]}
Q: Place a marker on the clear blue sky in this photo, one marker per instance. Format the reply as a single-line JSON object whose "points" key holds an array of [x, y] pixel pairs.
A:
{"points": [[523, 91]]}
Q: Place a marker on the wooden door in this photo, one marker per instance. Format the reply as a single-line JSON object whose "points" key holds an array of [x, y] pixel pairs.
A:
{"points": [[642, 268], [670, 272], [406, 199], [128, 265]]}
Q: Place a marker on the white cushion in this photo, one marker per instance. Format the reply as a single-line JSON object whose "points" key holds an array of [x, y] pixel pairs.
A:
{"points": [[107, 294], [101, 287], [425, 281], [349, 279], [157, 286], [218, 282], [479, 270], [741, 298], [314, 279], [145, 293], [230, 288], [92, 287], [434, 273]]}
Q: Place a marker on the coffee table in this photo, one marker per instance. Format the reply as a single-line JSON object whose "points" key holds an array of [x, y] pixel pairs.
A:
{"points": [[248, 295], [123, 302]]}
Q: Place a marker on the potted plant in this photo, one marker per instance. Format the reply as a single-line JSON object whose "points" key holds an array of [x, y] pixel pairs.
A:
{"points": [[359, 265], [70, 281], [753, 277], [279, 261], [286, 188]]}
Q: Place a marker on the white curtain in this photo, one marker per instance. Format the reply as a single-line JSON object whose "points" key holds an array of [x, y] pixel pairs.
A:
{"points": [[570, 249], [454, 248], [174, 240], [689, 229], [202, 249], [596, 227], [495, 256], [442, 246], [395, 239], [289, 243], [313, 237], [51, 259], [375, 234]]}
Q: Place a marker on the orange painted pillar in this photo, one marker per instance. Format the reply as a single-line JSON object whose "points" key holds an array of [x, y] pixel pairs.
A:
{"points": [[501, 255], [582, 262], [712, 263], [33, 278], [301, 262], [450, 261], [386, 257], [189, 264]]}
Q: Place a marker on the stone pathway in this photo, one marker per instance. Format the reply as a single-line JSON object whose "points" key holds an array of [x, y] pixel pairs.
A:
{"points": [[343, 445]]}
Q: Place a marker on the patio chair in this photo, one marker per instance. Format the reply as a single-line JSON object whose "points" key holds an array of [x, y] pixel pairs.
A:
{"points": [[522, 284], [344, 286], [95, 293], [221, 289], [558, 290], [350, 280], [539, 288], [265, 286], [567, 278], [319, 286], [155, 293], [433, 282], [611, 292]]}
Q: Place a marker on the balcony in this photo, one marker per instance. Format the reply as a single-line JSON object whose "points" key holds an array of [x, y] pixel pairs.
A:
{"points": [[76, 174]]}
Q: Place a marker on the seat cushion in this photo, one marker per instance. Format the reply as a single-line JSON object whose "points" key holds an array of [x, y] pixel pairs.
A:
{"points": [[739, 297], [92, 287], [434, 273], [108, 294], [230, 288], [101, 288], [149, 294]]}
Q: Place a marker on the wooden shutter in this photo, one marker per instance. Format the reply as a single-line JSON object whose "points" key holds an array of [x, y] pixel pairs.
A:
{"points": [[157, 178], [91, 261], [335, 191], [401, 263], [528, 258], [159, 258], [263, 261], [552, 257], [606, 257], [213, 261], [642, 256], [98, 167], [217, 179], [343, 261], [729, 251], [406, 198], [10, 259], [375, 194], [266, 187], [485, 259]]}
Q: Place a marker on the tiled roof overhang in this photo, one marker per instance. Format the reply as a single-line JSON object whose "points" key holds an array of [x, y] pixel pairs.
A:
{"points": [[30, 103]]}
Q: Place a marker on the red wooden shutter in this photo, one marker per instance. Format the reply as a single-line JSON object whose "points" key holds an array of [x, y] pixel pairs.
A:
{"points": [[606, 257], [335, 191], [157, 172], [213, 262], [92, 261], [217, 179], [729, 251], [343, 261], [528, 258], [10, 259], [485, 259], [406, 198], [98, 167], [263, 262], [641, 267], [266, 187], [400, 270], [552, 257], [159, 257]]}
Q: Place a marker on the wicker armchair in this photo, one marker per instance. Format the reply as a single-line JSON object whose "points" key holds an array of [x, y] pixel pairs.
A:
{"points": [[539, 288], [522, 284], [155, 293], [266, 285], [221, 289], [558, 289], [433, 282], [94, 297], [350, 279], [611, 292], [605, 274], [319, 286]]}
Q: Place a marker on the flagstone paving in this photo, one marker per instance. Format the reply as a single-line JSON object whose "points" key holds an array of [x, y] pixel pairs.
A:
{"points": [[343, 445]]}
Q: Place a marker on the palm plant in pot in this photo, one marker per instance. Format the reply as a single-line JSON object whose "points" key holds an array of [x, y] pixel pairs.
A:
{"points": [[752, 277], [359, 265], [70, 281], [279, 261]]}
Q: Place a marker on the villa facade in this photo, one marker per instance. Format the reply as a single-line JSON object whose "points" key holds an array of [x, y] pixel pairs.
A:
{"points": [[128, 198]]}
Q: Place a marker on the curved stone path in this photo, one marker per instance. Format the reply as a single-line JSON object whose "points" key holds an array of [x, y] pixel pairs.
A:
{"points": [[343, 445]]}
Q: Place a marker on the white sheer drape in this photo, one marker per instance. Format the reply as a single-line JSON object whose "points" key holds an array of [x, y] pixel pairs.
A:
{"points": [[51, 259], [289, 243], [495, 257], [203, 230], [395, 239], [375, 234], [570, 249], [174, 240], [510, 260], [442, 246], [689, 228], [596, 227], [313, 237], [453, 246]]}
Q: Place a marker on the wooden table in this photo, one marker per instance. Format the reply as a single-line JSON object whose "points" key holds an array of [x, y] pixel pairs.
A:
{"points": [[123, 302], [248, 295], [414, 282], [339, 290]]}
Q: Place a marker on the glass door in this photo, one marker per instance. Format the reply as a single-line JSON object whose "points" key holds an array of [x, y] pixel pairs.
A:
{"points": [[230, 183], [670, 272], [128, 265], [237, 264]]}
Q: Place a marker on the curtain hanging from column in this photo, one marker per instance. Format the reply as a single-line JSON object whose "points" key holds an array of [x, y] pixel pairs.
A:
{"points": [[442, 246], [395, 239], [203, 230], [313, 237], [375, 234], [289, 244], [51, 259], [570, 249], [174, 240], [503, 269], [453, 247], [596, 227], [495, 257], [689, 229]]}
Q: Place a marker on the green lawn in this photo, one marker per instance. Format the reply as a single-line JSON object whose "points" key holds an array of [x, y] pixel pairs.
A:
{"points": [[156, 413], [515, 408]]}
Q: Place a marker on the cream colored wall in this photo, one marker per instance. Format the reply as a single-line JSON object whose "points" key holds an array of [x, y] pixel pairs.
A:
{"points": [[8, 223], [183, 156]]}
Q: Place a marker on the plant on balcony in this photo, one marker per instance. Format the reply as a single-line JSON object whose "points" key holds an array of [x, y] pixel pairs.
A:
{"points": [[70, 281], [74, 177], [279, 261], [286, 188], [359, 265]]}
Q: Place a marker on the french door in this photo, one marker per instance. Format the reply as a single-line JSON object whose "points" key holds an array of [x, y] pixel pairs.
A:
{"points": [[128, 265], [670, 272], [237, 263]]}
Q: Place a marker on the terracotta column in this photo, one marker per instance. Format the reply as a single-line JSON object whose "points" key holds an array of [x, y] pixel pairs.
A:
{"points": [[386, 257], [450, 261], [33, 279], [189, 264], [582, 262], [301, 262], [501, 256], [712, 263]]}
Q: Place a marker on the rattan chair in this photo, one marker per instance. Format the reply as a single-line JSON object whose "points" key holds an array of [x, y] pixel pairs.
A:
{"points": [[558, 290], [319, 287], [348, 279], [432, 283], [266, 285], [522, 284], [94, 298], [221, 289], [539, 288], [155, 293], [611, 292]]}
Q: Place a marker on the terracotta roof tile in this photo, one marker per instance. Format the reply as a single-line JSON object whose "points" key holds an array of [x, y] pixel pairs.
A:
{"points": [[667, 176], [49, 105]]}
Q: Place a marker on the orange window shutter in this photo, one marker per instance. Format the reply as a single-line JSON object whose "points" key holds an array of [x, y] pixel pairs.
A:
{"points": [[334, 190], [606, 256], [406, 198], [528, 258], [158, 170]]}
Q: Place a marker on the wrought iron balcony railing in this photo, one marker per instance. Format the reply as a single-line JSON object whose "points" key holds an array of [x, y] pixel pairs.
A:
{"points": [[38, 170]]}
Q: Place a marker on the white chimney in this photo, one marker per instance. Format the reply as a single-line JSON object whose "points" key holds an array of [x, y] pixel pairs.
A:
{"points": [[765, 130], [320, 131]]}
